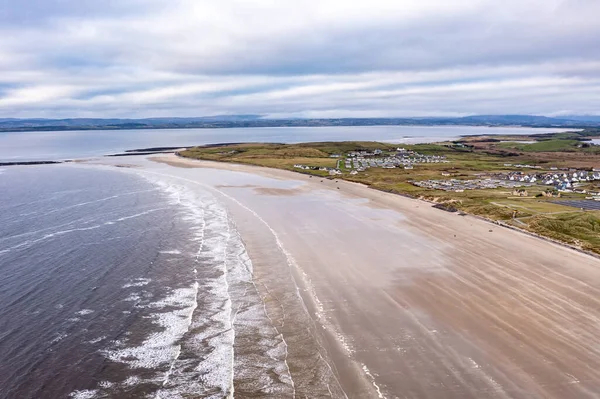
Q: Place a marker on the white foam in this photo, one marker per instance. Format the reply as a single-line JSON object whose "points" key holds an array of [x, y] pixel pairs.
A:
{"points": [[134, 297], [59, 337], [138, 282], [84, 312], [178, 198], [132, 381], [372, 378], [85, 394], [171, 252], [96, 340], [215, 366], [135, 215], [106, 384], [343, 340], [159, 348], [291, 264], [210, 371]]}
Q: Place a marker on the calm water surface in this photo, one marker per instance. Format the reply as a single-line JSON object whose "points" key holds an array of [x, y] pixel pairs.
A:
{"points": [[79, 144]]}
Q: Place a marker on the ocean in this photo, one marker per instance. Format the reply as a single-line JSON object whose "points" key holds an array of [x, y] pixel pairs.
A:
{"points": [[23, 146], [117, 284]]}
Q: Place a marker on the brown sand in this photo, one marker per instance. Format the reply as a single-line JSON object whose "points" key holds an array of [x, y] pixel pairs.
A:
{"points": [[409, 301]]}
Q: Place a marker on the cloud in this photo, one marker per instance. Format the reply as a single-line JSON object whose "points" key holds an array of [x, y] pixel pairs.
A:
{"points": [[134, 58]]}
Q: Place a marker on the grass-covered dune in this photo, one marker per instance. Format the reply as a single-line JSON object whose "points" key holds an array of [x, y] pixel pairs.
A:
{"points": [[581, 229]]}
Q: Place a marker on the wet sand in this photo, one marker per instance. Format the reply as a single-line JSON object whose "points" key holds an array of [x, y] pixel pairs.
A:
{"points": [[378, 295]]}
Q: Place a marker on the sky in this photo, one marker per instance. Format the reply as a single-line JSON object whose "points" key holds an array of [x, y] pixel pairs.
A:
{"points": [[298, 58]]}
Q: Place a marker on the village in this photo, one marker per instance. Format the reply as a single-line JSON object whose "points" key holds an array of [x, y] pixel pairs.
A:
{"points": [[556, 181], [473, 184], [360, 161], [561, 180], [573, 181]]}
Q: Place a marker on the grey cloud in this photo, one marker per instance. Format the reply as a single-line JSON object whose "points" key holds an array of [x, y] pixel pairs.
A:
{"points": [[27, 12], [153, 58]]}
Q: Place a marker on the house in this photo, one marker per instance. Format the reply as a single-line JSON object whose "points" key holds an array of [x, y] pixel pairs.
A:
{"points": [[520, 193], [551, 193], [564, 186]]}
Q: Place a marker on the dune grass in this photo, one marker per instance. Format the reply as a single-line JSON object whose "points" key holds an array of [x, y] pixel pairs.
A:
{"points": [[581, 229]]}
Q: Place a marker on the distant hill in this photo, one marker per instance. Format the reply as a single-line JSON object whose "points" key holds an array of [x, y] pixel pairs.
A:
{"points": [[515, 120], [85, 122], [583, 118], [229, 121]]}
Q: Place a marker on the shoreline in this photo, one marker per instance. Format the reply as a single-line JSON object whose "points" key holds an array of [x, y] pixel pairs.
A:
{"points": [[256, 168], [410, 299], [286, 298], [376, 295]]}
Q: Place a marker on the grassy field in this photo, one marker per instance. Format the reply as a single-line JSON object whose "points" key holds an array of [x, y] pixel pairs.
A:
{"points": [[546, 145], [533, 213]]}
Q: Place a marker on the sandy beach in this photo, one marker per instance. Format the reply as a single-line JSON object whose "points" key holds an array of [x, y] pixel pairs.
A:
{"points": [[381, 296]]}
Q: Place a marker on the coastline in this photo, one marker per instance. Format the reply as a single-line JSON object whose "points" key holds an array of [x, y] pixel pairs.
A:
{"points": [[332, 289], [181, 161], [432, 299]]}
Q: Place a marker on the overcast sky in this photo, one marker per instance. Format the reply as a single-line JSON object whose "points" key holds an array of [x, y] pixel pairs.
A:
{"points": [[298, 58]]}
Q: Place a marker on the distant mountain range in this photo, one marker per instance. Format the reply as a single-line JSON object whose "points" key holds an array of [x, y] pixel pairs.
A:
{"points": [[229, 121]]}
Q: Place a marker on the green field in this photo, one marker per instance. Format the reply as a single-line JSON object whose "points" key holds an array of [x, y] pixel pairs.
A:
{"points": [[553, 145], [546, 145]]}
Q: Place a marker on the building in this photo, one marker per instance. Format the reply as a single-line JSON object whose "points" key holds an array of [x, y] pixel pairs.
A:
{"points": [[520, 193]]}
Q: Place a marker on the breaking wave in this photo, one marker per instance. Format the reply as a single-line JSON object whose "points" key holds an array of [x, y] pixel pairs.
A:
{"points": [[210, 331]]}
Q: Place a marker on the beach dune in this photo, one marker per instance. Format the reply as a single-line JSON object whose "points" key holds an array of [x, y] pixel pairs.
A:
{"points": [[377, 295]]}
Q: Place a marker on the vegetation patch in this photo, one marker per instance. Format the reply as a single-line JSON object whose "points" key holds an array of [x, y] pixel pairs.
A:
{"points": [[496, 212], [544, 146], [581, 229]]}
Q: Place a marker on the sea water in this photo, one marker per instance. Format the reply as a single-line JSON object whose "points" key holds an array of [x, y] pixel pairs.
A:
{"points": [[24, 146], [120, 284]]}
